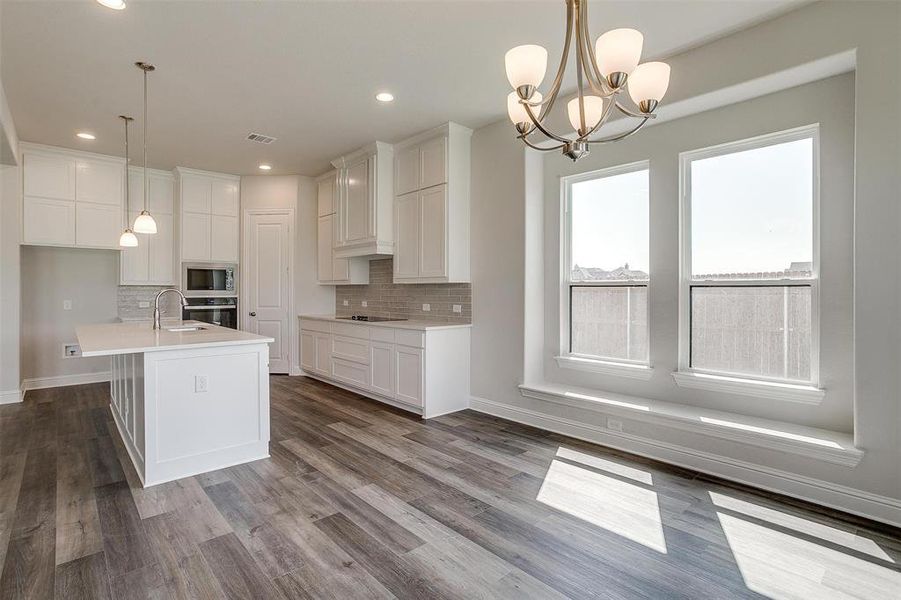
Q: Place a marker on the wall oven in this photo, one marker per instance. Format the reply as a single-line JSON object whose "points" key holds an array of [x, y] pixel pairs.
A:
{"points": [[218, 311], [209, 280]]}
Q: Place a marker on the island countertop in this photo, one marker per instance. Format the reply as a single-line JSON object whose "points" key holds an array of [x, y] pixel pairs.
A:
{"points": [[417, 324], [108, 339]]}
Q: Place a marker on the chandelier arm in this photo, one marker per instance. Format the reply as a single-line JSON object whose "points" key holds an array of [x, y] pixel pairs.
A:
{"points": [[537, 123], [632, 113], [561, 69], [580, 86], [539, 148], [608, 110], [592, 59], [622, 136]]}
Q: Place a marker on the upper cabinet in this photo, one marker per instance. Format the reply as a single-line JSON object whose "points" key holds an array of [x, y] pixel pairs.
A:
{"points": [[152, 262], [209, 209], [71, 198], [364, 202], [332, 270], [431, 210]]}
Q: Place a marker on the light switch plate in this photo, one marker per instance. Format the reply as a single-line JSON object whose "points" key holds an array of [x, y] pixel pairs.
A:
{"points": [[201, 383], [67, 305], [71, 350], [614, 424], [144, 304], [345, 303], [365, 304], [458, 308], [426, 307]]}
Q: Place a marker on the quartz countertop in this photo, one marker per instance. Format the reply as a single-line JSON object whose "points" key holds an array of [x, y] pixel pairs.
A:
{"points": [[408, 324], [136, 337]]}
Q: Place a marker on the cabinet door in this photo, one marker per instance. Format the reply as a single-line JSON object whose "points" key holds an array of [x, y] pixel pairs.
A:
{"points": [[161, 246], [433, 232], [324, 354], [326, 196], [195, 237], [135, 262], [408, 369], [224, 198], [48, 222], [381, 368], [162, 194], [99, 182], [97, 225], [308, 351], [224, 238], [49, 176], [324, 250], [406, 170], [433, 161], [196, 194], [356, 215], [406, 235]]}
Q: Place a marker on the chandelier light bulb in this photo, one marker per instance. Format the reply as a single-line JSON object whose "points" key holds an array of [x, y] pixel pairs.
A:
{"points": [[144, 223], [517, 112], [648, 83], [594, 110], [128, 239], [618, 51], [526, 65], [115, 5]]}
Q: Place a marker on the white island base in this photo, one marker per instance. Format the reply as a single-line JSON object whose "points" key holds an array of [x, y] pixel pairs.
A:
{"points": [[190, 403]]}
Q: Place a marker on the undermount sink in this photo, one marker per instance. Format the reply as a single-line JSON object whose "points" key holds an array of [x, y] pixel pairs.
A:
{"points": [[185, 328]]}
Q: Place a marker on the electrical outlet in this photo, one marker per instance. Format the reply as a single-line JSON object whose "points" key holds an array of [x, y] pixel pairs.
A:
{"points": [[365, 304], [457, 308], [426, 307], [201, 383], [71, 350], [345, 303], [144, 304], [614, 424], [67, 305]]}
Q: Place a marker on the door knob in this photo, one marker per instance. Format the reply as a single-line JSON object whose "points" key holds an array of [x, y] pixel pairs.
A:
{"points": [[253, 314]]}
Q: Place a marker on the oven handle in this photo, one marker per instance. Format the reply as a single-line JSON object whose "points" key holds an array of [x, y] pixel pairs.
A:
{"points": [[211, 307]]}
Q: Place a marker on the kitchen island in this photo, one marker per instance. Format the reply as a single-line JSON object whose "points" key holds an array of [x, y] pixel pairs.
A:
{"points": [[187, 398]]}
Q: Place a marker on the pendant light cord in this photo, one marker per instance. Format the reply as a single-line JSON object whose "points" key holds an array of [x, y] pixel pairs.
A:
{"points": [[145, 142], [125, 210]]}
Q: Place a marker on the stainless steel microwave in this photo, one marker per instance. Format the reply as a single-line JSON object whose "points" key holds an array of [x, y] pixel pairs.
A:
{"points": [[209, 279]]}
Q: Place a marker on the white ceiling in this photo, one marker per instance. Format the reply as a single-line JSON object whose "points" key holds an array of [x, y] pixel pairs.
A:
{"points": [[304, 72]]}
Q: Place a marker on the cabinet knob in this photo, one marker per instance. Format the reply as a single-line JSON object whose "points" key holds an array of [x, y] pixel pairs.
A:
{"points": [[253, 314]]}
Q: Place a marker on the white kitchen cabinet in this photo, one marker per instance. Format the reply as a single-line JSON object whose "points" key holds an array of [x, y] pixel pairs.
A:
{"points": [[432, 238], [209, 208], [422, 370], [71, 198], [330, 269], [152, 262], [365, 197]]}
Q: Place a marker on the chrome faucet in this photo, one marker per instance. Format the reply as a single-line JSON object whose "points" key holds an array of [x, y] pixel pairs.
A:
{"points": [[156, 305]]}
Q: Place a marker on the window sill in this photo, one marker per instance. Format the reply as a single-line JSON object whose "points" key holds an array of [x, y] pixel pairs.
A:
{"points": [[631, 370], [828, 446], [804, 394]]}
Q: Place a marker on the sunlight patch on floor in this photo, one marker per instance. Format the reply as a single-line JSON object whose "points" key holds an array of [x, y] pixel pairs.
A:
{"points": [[812, 528], [620, 507], [781, 566], [605, 465]]}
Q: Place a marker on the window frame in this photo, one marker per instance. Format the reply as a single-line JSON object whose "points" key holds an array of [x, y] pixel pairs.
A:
{"points": [[565, 357], [686, 283]]}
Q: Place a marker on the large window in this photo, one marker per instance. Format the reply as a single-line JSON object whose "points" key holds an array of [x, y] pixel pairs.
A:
{"points": [[606, 265], [750, 283]]}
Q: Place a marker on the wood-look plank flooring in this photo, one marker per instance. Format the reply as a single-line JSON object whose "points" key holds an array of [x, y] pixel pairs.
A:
{"points": [[360, 500]]}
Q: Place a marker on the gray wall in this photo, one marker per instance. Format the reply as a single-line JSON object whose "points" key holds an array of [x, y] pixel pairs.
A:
{"points": [[503, 315], [10, 209], [90, 279]]}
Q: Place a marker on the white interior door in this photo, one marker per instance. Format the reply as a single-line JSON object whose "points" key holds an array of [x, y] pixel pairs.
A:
{"points": [[268, 275]]}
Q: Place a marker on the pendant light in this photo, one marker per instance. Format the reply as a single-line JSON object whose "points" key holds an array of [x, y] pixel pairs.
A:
{"points": [[144, 223], [128, 239]]}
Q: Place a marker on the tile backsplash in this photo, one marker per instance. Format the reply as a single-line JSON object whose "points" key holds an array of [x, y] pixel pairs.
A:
{"points": [[387, 299], [131, 296]]}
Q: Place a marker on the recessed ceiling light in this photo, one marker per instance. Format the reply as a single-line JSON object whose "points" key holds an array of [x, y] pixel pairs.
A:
{"points": [[86, 136], [114, 4], [265, 167], [384, 97]]}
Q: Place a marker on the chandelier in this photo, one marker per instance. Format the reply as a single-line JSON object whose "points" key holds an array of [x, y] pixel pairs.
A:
{"points": [[609, 68]]}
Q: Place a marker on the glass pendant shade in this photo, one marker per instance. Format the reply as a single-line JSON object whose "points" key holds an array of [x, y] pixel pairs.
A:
{"points": [[649, 81], [594, 110], [526, 65], [517, 111], [144, 223], [128, 239], [618, 51], [114, 4]]}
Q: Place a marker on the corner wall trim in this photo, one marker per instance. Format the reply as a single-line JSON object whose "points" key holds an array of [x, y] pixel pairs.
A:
{"points": [[40, 383], [857, 502], [12, 396]]}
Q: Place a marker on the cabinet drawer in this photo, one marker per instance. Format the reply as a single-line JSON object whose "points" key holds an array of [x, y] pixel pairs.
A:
{"points": [[312, 325], [381, 334], [350, 373], [353, 349], [409, 337], [351, 330]]}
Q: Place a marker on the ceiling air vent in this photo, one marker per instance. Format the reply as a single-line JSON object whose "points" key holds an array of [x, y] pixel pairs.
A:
{"points": [[260, 138]]}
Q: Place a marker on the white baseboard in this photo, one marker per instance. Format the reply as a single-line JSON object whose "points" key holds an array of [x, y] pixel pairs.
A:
{"points": [[12, 396], [40, 383], [857, 502]]}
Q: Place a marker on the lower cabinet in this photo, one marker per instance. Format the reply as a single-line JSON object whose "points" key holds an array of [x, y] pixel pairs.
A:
{"points": [[423, 370]]}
